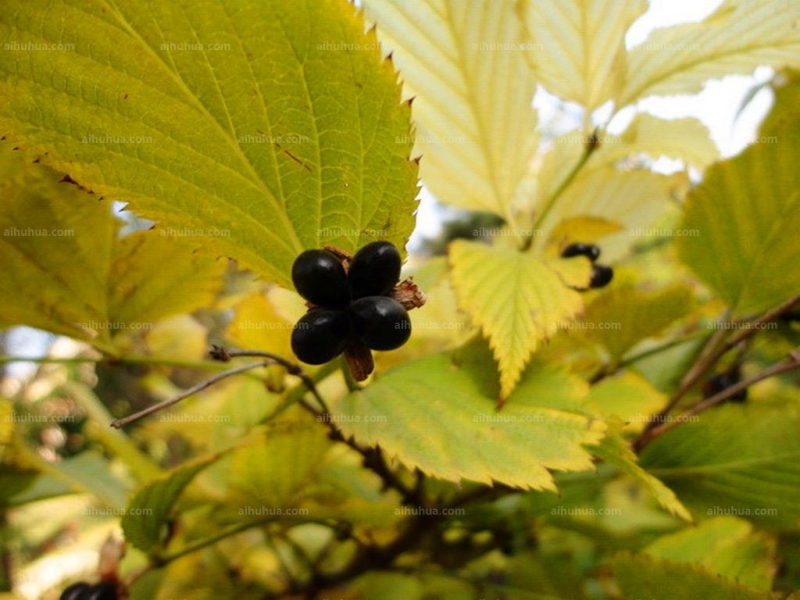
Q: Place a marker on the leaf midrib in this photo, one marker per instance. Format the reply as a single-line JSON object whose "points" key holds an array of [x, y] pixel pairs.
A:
{"points": [[236, 148]]}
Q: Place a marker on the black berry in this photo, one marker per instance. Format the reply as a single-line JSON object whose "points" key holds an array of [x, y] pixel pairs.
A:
{"points": [[374, 271], [722, 381], [601, 276], [103, 591], [590, 251], [77, 591], [319, 277], [320, 335], [380, 322]]}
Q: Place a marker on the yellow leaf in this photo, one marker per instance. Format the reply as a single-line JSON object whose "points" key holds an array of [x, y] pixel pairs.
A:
{"points": [[463, 64], [623, 317], [628, 396], [515, 298], [579, 229], [66, 271], [633, 199], [613, 449], [737, 38], [578, 46], [56, 244], [686, 139], [180, 338], [153, 276], [258, 326]]}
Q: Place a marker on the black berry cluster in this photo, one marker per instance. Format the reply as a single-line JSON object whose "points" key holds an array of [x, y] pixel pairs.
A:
{"points": [[105, 590], [601, 274], [348, 305]]}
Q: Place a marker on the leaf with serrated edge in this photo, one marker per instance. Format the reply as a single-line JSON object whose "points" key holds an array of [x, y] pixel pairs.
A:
{"points": [[725, 545], [66, 271], [151, 505], [516, 299], [578, 46], [614, 450], [435, 415], [472, 89], [735, 39], [642, 576], [276, 122], [744, 218], [744, 458]]}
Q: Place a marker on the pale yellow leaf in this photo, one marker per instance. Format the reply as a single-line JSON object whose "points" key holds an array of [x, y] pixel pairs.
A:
{"points": [[685, 139], [514, 297], [634, 199], [738, 37], [578, 46], [180, 338], [464, 64]]}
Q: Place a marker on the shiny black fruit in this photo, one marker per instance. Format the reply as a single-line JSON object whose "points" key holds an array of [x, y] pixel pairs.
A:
{"points": [[601, 276], [380, 322], [374, 271], [320, 336], [77, 591], [590, 251], [319, 277]]}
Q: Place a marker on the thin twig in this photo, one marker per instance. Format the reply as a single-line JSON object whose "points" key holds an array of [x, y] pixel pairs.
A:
{"points": [[117, 424], [712, 352], [223, 354], [788, 364], [589, 149]]}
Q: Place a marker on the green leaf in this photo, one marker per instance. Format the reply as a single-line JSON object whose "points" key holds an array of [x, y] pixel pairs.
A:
{"points": [[148, 510], [734, 460], [278, 468], [91, 473], [578, 47], [738, 37], [53, 277], [627, 396], [436, 415], [472, 89], [724, 545], [614, 450], [66, 271], [744, 217], [622, 317], [275, 124], [641, 576], [139, 294], [786, 107], [515, 298]]}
